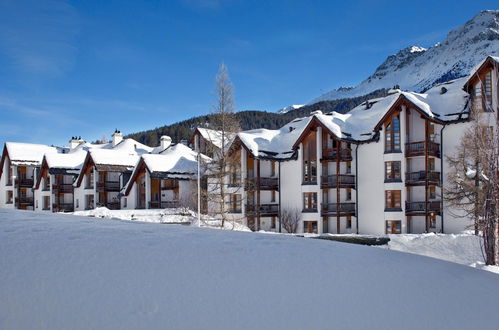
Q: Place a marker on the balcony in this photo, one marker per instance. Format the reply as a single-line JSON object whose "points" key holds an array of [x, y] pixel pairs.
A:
{"points": [[263, 183], [62, 188], [413, 149], [419, 178], [332, 154], [24, 182], [337, 209], [24, 200], [108, 186], [418, 208], [263, 210], [163, 204], [338, 181], [63, 207]]}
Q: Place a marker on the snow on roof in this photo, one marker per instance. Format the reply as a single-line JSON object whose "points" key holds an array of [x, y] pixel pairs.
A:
{"points": [[28, 153], [113, 157], [215, 137], [132, 146], [178, 158], [73, 160], [444, 102]]}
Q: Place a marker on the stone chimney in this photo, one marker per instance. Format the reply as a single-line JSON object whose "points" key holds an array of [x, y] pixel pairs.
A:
{"points": [[75, 142], [117, 137], [165, 142]]}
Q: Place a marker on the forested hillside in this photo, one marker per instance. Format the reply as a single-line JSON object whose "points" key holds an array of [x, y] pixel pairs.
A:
{"points": [[250, 119]]}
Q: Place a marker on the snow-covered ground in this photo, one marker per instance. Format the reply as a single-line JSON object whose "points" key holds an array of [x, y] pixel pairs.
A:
{"points": [[464, 248], [69, 272]]}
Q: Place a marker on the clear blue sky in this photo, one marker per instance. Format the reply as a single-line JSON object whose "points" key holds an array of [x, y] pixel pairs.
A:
{"points": [[88, 67]]}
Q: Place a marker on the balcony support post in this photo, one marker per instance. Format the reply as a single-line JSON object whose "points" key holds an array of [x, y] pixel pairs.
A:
{"points": [[427, 140], [338, 158]]}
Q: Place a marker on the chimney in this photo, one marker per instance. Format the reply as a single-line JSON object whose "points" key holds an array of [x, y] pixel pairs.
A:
{"points": [[74, 142], [117, 137], [165, 142]]}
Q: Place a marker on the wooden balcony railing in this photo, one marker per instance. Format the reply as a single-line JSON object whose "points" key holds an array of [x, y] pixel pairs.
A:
{"points": [[63, 207], [341, 209], [418, 149], [108, 186], [263, 183], [332, 154], [62, 188], [163, 204], [264, 210], [418, 208], [419, 178], [334, 181], [24, 200], [24, 182]]}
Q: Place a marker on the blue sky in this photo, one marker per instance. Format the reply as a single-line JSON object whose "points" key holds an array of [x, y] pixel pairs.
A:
{"points": [[87, 67]]}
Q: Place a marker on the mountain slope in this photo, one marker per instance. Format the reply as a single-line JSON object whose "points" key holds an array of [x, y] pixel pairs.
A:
{"points": [[418, 69]]}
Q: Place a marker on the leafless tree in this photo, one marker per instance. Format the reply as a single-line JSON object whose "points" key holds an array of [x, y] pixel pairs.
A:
{"points": [[473, 181], [290, 218], [223, 171]]}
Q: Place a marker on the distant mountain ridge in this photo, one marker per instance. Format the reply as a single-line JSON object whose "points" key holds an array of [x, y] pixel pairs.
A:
{"points": [[418, 69]]}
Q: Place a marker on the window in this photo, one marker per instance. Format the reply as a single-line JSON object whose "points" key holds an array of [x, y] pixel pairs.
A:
{"points": [[431, 164], [432, 192], [89, 202], [272, 168], [433, 221], [393, 227], [392, 171], [272, 223], [77, 203], [310, 158], [235, 176], [349, 194], [36, 204], [124, 202], [9, 176], [89, 179], [310, 227], [272, 196], [349, 222], [309, 202], [392, 200], [392, 135], [349, 167], [46, 202], [235, 203], [10, 196], [487, 91]]}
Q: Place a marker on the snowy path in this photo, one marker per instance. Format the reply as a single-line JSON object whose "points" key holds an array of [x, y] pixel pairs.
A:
{"points": [[70, 272]]}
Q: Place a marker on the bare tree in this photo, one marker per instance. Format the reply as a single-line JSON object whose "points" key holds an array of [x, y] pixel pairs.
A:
{"points": [[223, 171], [290, 218], [473, 178]]}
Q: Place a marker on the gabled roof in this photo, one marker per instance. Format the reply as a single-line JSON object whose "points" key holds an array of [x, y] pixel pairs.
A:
{"points": [[176, 162], [213, 136], [488, 62], [28, 153]]}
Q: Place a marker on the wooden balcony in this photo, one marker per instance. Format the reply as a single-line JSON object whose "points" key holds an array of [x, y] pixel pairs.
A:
{"points": [[413, 149], [345, 155], [108, 186], [163, 204], [419, 178], [24, 201], [24, 182], [335, 181], [62, 188], [338, 209], [263, 183], [264, 210], [418, 208], [63, 207]]}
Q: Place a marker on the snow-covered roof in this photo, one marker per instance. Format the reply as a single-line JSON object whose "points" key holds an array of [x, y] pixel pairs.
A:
{"points": [[114, 158], [215, 137], [28, 153], [72, 160], [444, 102]]}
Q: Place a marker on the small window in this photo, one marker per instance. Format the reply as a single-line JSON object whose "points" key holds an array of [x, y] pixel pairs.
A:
{"points": [[393, 200], [124, 202], [10, 196], [349, 222], [77, 203], [272, 196], [432, 192], [309, 202], [431, 164], [349, 167], [393, 227], [272, 169], [349, 194], [272, 223], [433, 221], [392, 171], [310, 227]]}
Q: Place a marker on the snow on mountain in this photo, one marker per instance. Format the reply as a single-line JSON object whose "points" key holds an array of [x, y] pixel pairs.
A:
{"points": [[418, 69], [62, 271], [290, 107]]}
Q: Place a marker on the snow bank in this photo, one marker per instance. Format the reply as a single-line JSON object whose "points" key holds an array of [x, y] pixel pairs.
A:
{"points": [[66, 272]]}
